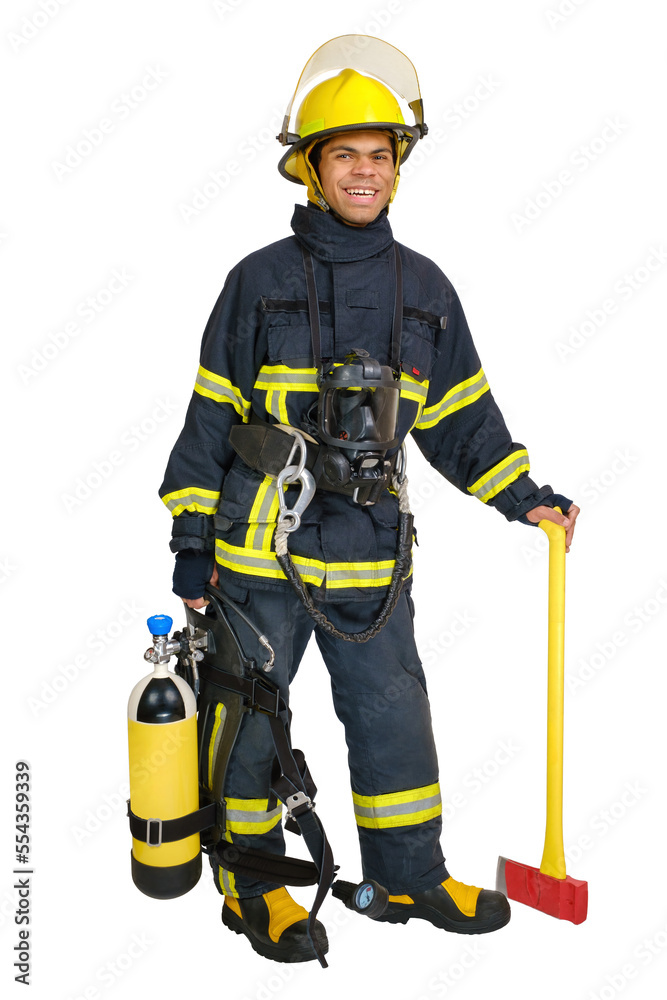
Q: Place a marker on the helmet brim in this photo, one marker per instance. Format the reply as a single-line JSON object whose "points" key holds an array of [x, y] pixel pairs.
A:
{"points": [[409, 133]]}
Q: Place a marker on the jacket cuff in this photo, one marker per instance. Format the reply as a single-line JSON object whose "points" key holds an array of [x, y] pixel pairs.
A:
{"points": [[192, 531], [192, 572], [519, 497]]}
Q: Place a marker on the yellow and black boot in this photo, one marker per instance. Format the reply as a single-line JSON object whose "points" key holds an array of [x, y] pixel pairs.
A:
{"points": [[453, 906], [275, 925]]}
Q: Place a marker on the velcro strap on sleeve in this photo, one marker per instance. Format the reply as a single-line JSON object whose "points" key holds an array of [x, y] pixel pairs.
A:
{"points": [[191, 531], [519, 497]]}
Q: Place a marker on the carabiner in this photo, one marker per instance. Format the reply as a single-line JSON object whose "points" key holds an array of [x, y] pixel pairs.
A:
{"points": [[293, 514], [301, 444], [400, 467]]}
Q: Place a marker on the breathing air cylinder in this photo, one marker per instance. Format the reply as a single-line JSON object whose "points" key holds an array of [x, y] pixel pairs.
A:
{"points": [[162, 731]]}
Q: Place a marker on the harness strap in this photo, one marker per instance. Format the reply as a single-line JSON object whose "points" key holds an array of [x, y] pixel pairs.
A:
{"points": [[291, 786], [313, 308], [155, 832], [397, 323], [272, 867]]}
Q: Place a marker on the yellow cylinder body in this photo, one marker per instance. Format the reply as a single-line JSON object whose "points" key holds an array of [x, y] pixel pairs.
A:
{"points": [[163, 782]]}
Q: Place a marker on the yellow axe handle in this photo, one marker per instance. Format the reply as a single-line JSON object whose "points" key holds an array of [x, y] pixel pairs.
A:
{"points": [[553, 858]]}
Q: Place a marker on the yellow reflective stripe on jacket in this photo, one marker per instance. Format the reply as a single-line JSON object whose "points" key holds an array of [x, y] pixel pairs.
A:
{"points": [[251, 815], [407, 808], [193, 499], [500, 476], [412, 389], [255, 562], [461, 395], [272, 377], [221, 390], [261, 562], [263, 516]]}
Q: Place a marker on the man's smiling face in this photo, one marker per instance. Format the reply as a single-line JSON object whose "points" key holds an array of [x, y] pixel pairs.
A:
{"points": [[356, 172]]}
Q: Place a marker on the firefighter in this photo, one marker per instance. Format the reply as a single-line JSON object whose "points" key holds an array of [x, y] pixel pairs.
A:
{"points": [[340, 291]]}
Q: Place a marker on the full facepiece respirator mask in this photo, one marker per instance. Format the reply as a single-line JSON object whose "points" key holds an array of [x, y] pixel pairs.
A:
{"points": [[356, 420]]}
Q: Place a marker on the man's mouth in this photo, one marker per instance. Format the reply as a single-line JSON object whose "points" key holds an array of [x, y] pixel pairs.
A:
{"points": [[362, 193]]}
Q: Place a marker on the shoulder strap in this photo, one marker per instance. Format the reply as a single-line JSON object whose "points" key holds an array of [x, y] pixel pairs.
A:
{"points": [[313, 308], [397, 323]]}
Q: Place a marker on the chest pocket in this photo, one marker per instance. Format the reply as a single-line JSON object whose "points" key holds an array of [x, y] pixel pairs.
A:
{"points": [[418, 350], [288, 331]]}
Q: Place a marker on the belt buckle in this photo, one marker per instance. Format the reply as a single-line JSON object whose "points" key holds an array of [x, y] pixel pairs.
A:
{"points": [[150, 842]]}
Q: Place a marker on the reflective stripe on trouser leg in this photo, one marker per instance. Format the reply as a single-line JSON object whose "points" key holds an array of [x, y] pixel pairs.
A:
{"points": [[252, 820], [380, 696], [247, 819]]}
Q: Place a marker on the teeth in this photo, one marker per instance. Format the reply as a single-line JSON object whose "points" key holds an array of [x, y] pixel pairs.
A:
{"points": [[359, 191]]}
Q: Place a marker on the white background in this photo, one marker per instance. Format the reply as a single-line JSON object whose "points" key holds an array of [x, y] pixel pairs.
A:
{"points": [[515, 94]]}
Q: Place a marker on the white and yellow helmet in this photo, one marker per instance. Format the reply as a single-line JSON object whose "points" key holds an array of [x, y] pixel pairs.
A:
{"points": [[361, 95]]}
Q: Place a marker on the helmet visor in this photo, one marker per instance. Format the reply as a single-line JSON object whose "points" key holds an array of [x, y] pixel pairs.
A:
{"points": [[370, 56]]}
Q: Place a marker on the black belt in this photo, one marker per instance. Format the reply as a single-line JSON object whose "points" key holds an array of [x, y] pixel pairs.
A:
{"points": [[266, 448]]}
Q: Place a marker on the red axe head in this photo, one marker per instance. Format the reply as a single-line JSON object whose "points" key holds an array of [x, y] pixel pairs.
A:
{"points": [[564, 898]]}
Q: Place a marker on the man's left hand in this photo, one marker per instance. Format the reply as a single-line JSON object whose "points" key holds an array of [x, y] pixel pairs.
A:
{"points": [[543, 513]]}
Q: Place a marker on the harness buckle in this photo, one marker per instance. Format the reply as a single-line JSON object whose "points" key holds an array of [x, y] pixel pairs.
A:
{"points": [[275, 708], [297, 804], [149, 841]]}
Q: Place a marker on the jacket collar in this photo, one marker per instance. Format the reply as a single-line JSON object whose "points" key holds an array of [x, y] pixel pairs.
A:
{"points": [[329, 239]]}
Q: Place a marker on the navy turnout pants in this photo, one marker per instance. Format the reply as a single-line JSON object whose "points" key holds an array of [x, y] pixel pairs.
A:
{"points": [[379, 694]]}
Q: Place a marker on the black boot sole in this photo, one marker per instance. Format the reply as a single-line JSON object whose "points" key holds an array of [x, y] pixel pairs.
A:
{"points": [[276, 952], [470, 926]]}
